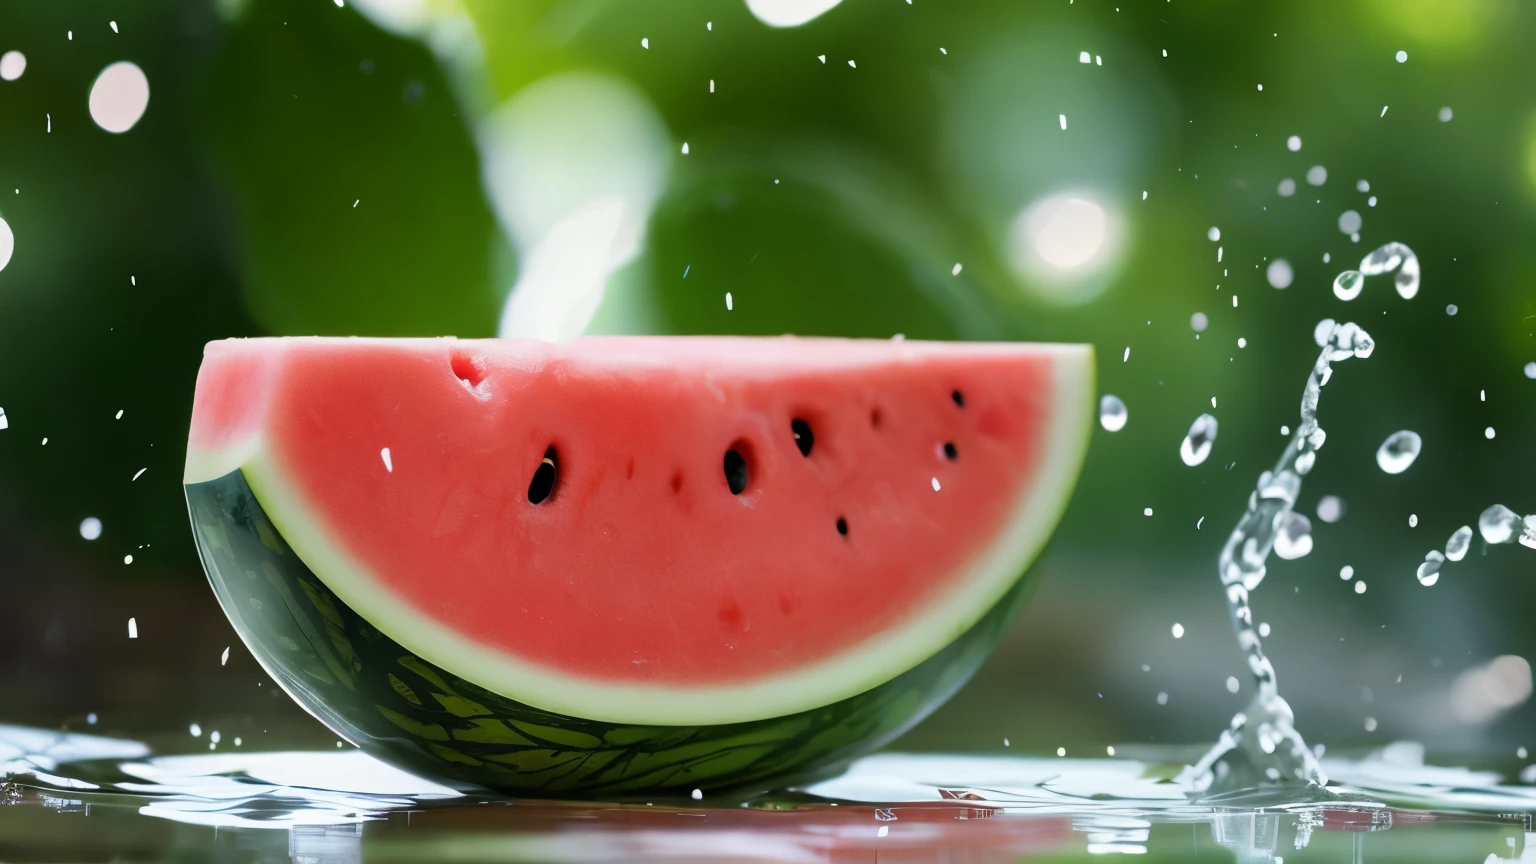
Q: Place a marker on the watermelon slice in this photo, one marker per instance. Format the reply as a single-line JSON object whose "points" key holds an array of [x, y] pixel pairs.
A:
{"points": [[562, 549]]}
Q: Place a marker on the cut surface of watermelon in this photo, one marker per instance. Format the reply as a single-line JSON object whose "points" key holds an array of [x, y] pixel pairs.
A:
{"points": [[674, 531]]}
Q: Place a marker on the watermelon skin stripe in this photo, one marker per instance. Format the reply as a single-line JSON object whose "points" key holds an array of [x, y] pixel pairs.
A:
{"points": [[401, 708], [991, 575]]}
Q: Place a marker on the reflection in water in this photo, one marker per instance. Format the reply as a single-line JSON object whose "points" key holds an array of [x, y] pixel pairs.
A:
{"points": [[345, 807]]}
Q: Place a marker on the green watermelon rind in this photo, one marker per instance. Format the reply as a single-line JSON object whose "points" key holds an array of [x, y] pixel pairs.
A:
{"points": [[875, 661], [405, 710]]}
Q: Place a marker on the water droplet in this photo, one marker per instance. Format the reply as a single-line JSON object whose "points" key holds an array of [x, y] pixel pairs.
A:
{"points": [[1489, 433], [119, 97], [645, 42], [1112, 413], [1350, 221], [1498, 524], [1348, 285], [935, 484], [196, 730], [1446, 114], [1061, 751], [1214, 234], [1162, 698], [1399, 450], [1146, 511], [1232, 684], [1429, 571], [214, 736], [1360, 587], [1402, 56], [1127, 357], [133, 628], [698, 794], [1264, 629], [1293, 535], [1413, 520], [1279, 274], [1198, 322], [1362, 186], [90, 528], [1317, 175], [224, 658], [1285, 430], [1370, 724], [1528, 532], [90, 720], [1241, 342], [1346, 572], [1287, 188], [1456, 547], [1330, 508], [127, 559], [389, 464], [1196, 447], [1293, 143], [1530, 370], [956, 270], [1178, 631], [12, 65]]}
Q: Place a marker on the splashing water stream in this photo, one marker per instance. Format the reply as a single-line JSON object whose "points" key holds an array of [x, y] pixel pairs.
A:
{"points": [[1262, 746]]}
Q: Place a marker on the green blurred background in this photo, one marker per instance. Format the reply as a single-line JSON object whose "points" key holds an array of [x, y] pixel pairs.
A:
{"points": [[395, 167]]}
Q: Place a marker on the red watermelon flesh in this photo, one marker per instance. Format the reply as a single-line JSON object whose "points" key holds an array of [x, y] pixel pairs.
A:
{"points": [[893, 491]]}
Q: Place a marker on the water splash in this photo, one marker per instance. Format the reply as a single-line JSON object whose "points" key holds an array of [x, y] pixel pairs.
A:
{"points": [[1262, 746], [1498, 526], [1196, 446]]}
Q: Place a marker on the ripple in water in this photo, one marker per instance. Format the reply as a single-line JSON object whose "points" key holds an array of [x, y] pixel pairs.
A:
{"points": [[1196, 447], [1399, 450]]}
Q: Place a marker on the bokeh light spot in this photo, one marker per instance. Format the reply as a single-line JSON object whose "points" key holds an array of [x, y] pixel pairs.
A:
{"points": [[789, 13]]}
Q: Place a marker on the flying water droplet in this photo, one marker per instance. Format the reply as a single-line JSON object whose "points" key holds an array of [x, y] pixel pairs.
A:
{"points": [[1498, 524], [1429, 571], [1112, 413], [1399, 450], [1196, 447], [1347, 285], [1456, 547], [1293, 535]]}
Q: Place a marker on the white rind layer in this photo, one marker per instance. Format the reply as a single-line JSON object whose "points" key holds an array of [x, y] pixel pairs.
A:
{"points": [[875, 661]]}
